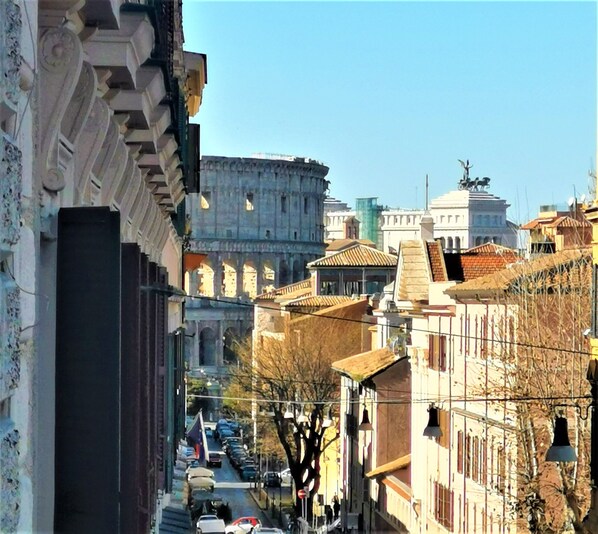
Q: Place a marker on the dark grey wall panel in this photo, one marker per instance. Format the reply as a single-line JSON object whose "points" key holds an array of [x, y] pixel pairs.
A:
{"points": [[87, 371]]}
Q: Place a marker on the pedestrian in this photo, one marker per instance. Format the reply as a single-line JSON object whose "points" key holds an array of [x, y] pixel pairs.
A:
{"points": [[328, 512], [336, 506]]}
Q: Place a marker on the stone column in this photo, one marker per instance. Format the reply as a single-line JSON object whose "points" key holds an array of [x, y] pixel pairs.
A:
{"points": [[218, 276], [239, 267]]}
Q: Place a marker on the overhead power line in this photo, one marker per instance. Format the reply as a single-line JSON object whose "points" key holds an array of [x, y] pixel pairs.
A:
{"points": [[422, 330]]}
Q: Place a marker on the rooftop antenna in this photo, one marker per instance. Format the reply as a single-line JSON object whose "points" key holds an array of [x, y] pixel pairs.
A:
{"points": [[426, 192]]}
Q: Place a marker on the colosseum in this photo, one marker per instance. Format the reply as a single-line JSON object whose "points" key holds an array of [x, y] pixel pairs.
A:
{"points": [[258, 221]]}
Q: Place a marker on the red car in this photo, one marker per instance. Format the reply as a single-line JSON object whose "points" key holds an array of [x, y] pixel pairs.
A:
{"points": [[245, 523], [214, 460]]}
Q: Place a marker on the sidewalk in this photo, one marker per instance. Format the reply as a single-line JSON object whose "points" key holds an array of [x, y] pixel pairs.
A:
{"points": [[268, 509]]}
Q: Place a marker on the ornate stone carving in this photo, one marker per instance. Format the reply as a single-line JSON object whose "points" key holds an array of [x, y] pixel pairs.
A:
{"points": [[11, 49], [57, 50], [10, 322], [10, 193], [80, 106], [9, 478], [61, 57]]}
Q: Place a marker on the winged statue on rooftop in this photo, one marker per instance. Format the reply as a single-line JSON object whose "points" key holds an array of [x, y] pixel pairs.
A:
{"points": [[475, 184]]}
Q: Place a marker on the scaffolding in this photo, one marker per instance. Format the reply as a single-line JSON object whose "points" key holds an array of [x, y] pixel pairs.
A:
{"points": [[367, 212]]}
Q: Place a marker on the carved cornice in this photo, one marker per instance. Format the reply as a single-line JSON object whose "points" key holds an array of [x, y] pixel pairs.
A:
{"points": [[255, 245], [225, 164], [81, 103], [123, 50]]}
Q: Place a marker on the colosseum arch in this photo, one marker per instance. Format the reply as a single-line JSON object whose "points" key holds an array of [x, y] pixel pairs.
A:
{"points": [[283, 274], [250, 281], [268, 276], [207, 347], [298, 270], [229, 278], [231, 347], [205, 279]]}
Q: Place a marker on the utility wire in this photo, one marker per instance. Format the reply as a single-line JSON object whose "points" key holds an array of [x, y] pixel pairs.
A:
{"points": [[427, 331], [396, 401]]}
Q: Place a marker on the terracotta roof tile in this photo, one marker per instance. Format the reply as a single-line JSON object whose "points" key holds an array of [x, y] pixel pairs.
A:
{"points": [[435, 258], [285, 290], [341, 244], [356, 256], [365, 365], [500, 281], [318, 300], [490, 248], [569, 222], [465, 266]]}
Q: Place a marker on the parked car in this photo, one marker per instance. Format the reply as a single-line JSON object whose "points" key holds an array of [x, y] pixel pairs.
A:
{"points": [[210, 524], [214, 460], [272, 480], [285, 477], [246, 523], [249, 472], [201, 483]]}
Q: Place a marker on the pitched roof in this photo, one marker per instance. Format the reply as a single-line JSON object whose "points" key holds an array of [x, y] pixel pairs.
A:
{"points": [[466, 266], [569, 222], [286, 290], [318, 300], [413, 272], [357, 255], [340, 244], [395, 465], [501, 281], [367, 364], [490, 248], [435, 257]]}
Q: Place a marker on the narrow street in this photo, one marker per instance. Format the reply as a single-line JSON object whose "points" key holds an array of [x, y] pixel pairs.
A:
{"points": [[233, 490]]}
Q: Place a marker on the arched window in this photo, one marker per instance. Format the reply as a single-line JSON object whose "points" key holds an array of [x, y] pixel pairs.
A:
{"points": [[449, 244], [443, 243], [457, 244]]}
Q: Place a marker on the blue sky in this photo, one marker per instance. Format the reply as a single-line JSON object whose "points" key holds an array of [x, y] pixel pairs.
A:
{"points": [[386, 92]]}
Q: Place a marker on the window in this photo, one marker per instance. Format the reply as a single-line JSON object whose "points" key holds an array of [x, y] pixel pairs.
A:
{"points": [[460, 452], [267, 234], [444, 420], [501, 470], [437, 359], [283, 204], [484, 336], [249, 202], [295, 235], [206, 198], [305, 205], [443, 505]]}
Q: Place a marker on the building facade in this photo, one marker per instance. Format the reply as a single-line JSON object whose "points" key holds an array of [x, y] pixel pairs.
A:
{"points": [[462, 218], [94, 133], [256, 222]]}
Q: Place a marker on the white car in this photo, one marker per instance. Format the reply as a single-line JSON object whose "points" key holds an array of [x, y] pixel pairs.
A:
{"points": [[285, 477], [210, 524]]}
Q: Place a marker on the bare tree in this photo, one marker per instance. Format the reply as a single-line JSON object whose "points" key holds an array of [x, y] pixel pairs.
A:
{"points": [[291, 371], [544, 358]]}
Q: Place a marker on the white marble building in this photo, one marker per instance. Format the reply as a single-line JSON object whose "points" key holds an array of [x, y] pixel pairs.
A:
{"points": [[462, 219]]}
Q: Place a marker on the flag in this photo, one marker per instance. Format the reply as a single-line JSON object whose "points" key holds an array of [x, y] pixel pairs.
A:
{"points": [[196, 437]]}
